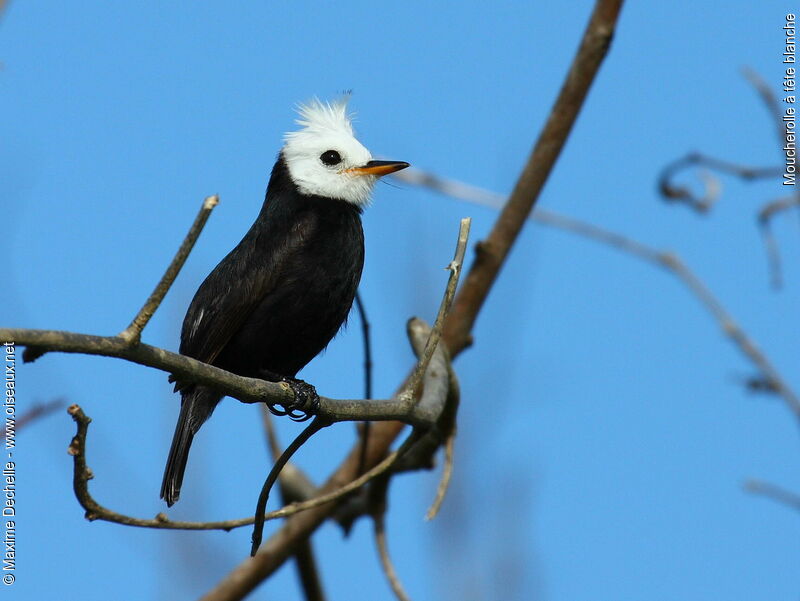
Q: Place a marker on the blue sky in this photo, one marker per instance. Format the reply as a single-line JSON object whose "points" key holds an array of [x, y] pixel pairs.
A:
{"points": [[604, 434]]}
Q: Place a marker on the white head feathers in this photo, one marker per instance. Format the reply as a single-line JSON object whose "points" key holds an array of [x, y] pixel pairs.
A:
{"points": [[320, 154]]}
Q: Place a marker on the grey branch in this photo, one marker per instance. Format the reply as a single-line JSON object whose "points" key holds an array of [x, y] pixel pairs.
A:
{"points": [[770, 101], [765, 216], [379, 523], [673, 192], [246, 390], [444, 308], [667, 260], [774, 492], [95, 511], [36, 412]]}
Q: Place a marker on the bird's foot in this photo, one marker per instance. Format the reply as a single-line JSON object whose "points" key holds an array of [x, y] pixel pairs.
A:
{"points": [[305, 404]]}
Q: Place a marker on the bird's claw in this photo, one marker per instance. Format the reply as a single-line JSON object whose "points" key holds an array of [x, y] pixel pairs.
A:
{"points": [[305, 404]]}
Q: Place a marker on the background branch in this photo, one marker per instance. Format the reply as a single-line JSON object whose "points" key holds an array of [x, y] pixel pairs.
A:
{"points": [[492, 252], [774, 492], [662, 258], [37, 411]]}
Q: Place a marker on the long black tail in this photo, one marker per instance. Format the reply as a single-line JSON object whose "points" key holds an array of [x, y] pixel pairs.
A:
{"points": [[197, 405]]}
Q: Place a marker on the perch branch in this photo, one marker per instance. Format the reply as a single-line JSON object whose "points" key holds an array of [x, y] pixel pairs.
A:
{"points": [[246, 390]]}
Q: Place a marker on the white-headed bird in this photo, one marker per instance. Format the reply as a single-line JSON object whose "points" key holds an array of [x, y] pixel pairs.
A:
{"points": [[278, 298]]}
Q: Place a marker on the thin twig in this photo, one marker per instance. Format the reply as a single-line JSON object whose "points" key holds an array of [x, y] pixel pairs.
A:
{"points": [[132, 334], [774, 492], [673, 192], [770, 101], [261, 506], [37, 411], [765, 216], [95, 511], [290, 477], [444, 309], [379, 522], [447, 473], [365, 333]]}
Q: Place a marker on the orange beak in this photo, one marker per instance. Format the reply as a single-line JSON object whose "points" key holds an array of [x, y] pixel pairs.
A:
{"points": [[378, 168]]}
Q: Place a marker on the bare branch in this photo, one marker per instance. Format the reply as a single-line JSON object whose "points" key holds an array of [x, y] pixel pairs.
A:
{"points": [[774, 492], [261, 506], [295, 483], [36, 412], [492, 252], [132, 334], [363, 431], [770, 101], [365, 329], [447, 473], [95, 511], [673, 192], [246, 390], [444, 308], [291, 476], [765, 216], [438, 403], [379, 522]]}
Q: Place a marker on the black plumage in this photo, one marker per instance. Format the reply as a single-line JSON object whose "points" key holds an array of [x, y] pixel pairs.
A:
{"points": [[272, 304]]}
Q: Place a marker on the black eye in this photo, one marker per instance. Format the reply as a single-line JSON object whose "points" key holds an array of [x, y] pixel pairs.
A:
{"points": [[330, 158]]}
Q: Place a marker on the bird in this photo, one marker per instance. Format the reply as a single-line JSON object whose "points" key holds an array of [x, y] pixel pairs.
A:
{"points": [[279, 297]]}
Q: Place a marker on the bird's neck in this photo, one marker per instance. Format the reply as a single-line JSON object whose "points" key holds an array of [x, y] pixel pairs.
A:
{"points": [[282, 190]]}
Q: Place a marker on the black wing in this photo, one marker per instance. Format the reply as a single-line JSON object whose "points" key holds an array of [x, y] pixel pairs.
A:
{"points": [[233, 290]]}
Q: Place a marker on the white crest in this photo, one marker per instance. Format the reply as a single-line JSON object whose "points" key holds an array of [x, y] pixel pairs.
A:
{"points": [[327, 127]]}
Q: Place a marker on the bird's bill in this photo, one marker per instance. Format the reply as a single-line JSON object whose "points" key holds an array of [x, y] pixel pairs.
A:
{"points": [[378, 168]]}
